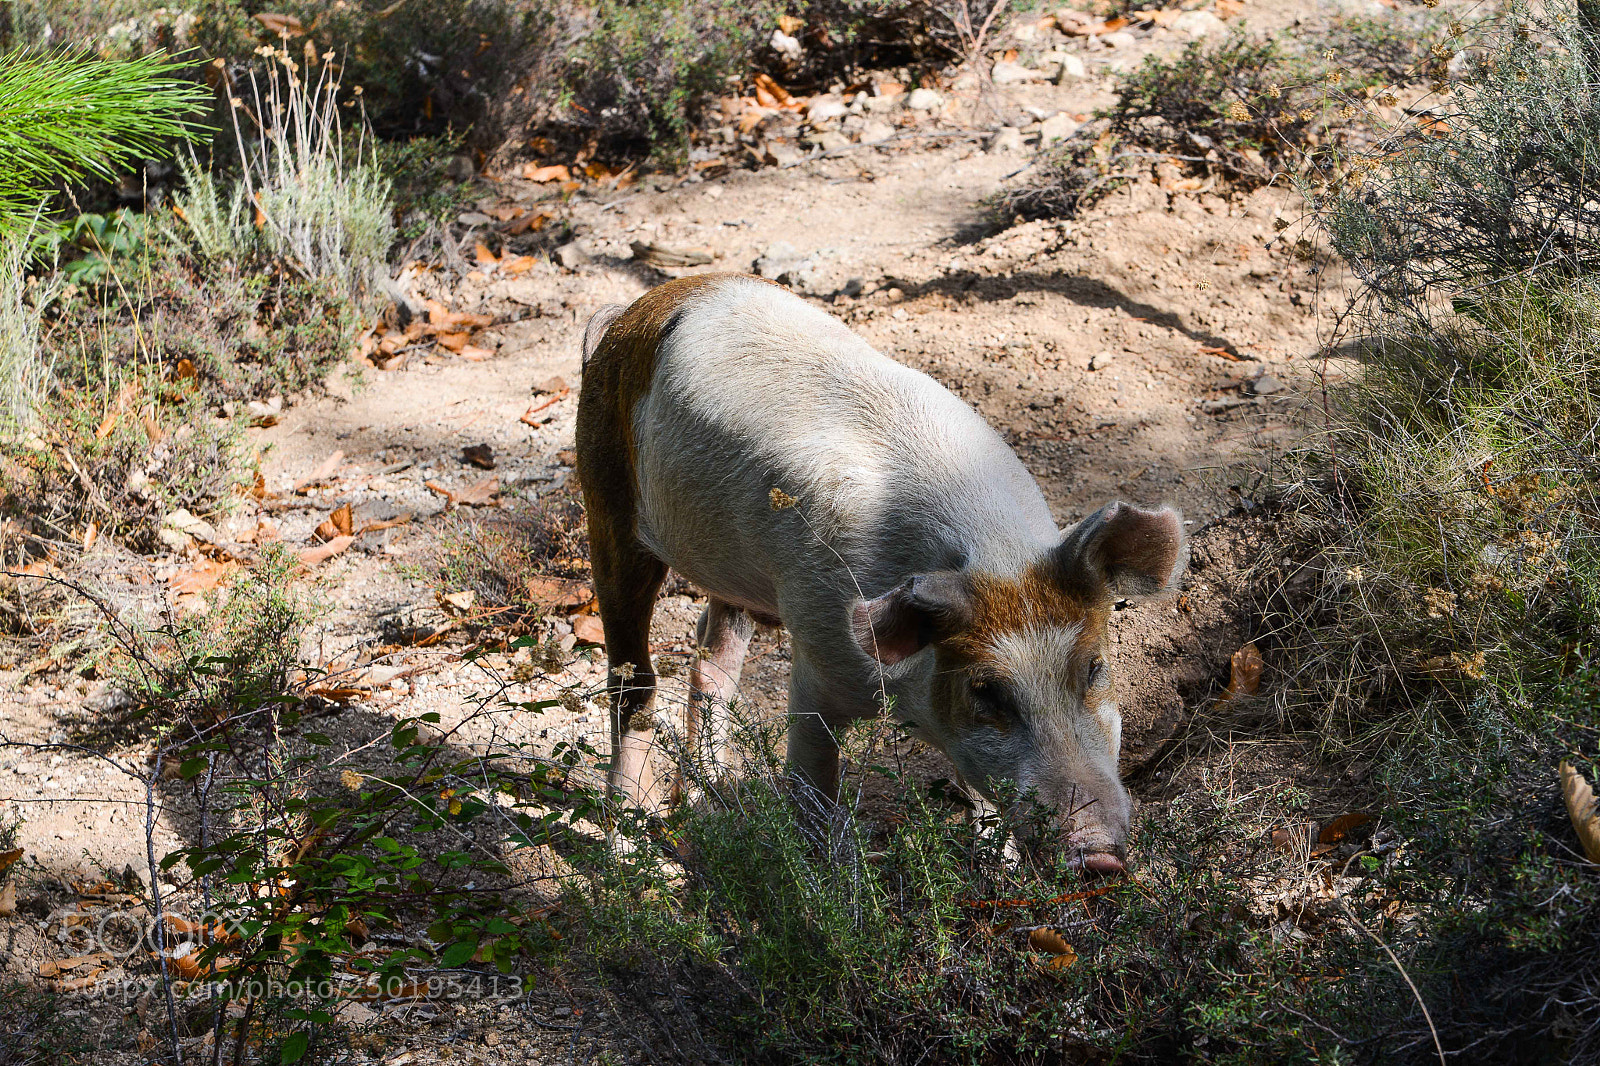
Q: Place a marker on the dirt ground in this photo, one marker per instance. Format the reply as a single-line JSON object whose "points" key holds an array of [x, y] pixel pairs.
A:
{"points": [[1146, 352]]}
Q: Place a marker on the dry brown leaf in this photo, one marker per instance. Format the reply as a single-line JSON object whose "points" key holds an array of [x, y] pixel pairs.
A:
{"points": [[1227, 9], [323, 552], [453, 341], [519, 265], [484, 256], [1340, 827], [1293, 836], [282, 25], [441, 318], [588, 630], [57, 967], [1578, 793], [388, 523], [659, 255], [558, 592], [770, 94], [1048, 941], [480, 495], [8, 899], [1244, 673], [324, 471], [8, 859], [475, 354], [340, 523], [557, 172], [460, 601], [479, 455], [107, 425], [204, 576], [532, 221]]}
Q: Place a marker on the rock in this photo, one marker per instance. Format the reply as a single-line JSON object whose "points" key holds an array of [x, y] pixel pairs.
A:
{"points": [[828, 140], [173, 539], [783, 153], [778, 257], [1102, 360], [875, 132], [1057, 127], [1266, 385], [571, 255], [1119, 39], [824, 108], [138, 481], [1070, 65], [853, 287], [1005, 73], [786, 46], [881, 105], [924, 100], [184, 522], [478, 455], [1199, 24], [1006, 139], [460, 168]]}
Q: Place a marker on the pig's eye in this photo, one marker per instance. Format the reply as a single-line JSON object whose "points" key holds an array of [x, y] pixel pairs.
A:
{"points": [[1097, 672], [992, 703]]}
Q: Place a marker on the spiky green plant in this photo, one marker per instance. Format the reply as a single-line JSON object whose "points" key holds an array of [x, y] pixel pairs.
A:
{"points": [[66, 116]]}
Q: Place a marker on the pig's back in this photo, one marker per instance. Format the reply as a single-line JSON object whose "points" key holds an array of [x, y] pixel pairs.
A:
{"points": [[754, 389]]}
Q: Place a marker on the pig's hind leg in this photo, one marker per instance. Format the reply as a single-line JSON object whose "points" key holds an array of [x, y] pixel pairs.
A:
{"points": [[627, 579], [722, 637]]}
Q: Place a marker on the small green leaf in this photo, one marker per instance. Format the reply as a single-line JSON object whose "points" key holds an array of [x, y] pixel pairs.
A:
{"points": [[294, 1048], [459, 953]]}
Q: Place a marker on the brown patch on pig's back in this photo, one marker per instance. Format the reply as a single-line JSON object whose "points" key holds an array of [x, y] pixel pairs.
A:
{"points": [[615, 379]]}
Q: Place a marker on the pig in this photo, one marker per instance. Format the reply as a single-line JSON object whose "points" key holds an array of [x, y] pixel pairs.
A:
{"points": [[754, 444]]}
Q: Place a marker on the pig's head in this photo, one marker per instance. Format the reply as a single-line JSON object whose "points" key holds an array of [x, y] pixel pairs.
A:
{"points": [[1022, 691]]}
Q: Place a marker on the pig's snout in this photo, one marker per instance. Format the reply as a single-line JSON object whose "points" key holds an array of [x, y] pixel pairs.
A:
{"points": [[1102, 864]]}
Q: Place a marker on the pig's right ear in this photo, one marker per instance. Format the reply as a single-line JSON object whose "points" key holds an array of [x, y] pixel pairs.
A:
{"points": [[924, 609]]}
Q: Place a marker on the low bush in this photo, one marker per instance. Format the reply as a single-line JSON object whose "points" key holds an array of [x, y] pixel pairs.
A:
{"points": [[1240, 111], [1434, 592]]}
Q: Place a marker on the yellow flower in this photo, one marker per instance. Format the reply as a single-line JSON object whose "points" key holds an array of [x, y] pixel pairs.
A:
{"points": [[350, 780], [1238, 112], [781, 501]]}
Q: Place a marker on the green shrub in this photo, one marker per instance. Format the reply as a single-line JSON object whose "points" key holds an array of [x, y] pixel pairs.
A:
{"points": [[1242, 110], [1502, 183]]}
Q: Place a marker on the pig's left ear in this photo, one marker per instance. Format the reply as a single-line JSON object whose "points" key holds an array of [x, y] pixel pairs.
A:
{"points": [[1122, 550], [921, 610]]}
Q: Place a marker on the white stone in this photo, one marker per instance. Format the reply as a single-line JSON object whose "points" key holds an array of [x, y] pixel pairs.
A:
{"points": [[784, 45], [1057, 128], [924, 100], [1067, 64], [1005, 73], [875, 133], [1006, 139], [824, 108], [1199, 24], [1120, 39]]}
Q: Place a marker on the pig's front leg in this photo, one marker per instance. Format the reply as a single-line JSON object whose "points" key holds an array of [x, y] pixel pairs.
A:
{"points": [[722, 638], [813, 744]]}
